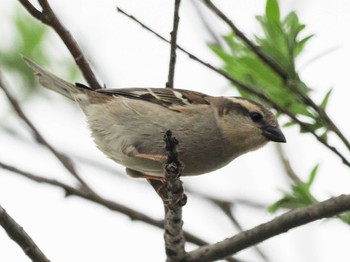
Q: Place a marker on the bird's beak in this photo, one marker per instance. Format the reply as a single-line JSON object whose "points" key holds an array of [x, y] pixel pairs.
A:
{"points": [[273, 133]]}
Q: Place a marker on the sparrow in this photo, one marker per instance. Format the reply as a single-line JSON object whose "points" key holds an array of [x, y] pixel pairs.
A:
{"points": [[128, 124]]}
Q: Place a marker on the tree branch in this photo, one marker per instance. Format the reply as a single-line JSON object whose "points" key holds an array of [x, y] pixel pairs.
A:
{"points": [[65, 161], [245, 87], [48, 17], [20, 236], [173, 34], [281, 224]]}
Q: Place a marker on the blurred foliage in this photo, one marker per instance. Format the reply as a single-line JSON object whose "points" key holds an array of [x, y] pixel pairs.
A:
{"points": [[282, 44], [29, 39]]}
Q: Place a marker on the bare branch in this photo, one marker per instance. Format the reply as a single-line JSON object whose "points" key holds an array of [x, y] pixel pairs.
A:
{"points": [[247, 88], [47, 16], [20, 236], [71, 191], [279, 225], [65, 161], [173, 34]]}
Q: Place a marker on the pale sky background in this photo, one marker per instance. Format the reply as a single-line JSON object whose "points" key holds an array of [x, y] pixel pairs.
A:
{"points": [[125, 55]]}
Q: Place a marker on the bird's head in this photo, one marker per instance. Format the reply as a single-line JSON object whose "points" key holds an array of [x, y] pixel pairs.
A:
{"points": [[247, 125]]}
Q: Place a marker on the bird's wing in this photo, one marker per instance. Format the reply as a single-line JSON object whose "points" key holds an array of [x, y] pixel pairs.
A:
{"points": [[171, 98]]}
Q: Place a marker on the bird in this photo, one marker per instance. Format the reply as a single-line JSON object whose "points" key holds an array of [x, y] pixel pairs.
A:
{"points": [[128, 124]]}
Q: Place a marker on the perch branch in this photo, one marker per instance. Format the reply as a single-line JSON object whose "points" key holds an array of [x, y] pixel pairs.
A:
{"points": [[173, 200]]}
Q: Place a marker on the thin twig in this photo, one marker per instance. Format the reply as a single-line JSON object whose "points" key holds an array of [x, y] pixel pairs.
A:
{"points": [[227, 209], [205, 21], [48, 17], [20, 236], [65, 161], [319, 56], [279, 225], [287, 166], [173, 34], [245, 87], [227, 206], [238, 201], [112, 205]]}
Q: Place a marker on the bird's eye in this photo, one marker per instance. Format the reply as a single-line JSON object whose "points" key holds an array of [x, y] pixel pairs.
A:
{"points": [[256, 117]]}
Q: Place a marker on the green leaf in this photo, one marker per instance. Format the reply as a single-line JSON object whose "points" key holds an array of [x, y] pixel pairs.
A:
{"points": [[300, 195], [324, 136], [290, 123], [326, 98], [312, 176], [301, 44], [298, 108], [227, 58], [272, 11], [345, 217], [278, 204]]}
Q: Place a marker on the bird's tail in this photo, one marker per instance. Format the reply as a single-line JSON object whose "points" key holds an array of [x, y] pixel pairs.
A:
{"points": [[53, 82]]}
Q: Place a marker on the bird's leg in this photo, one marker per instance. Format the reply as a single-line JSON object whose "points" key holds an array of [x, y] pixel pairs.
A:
{"points": [[157, 182], [159, 185], [137, 174], [159, 158], [133, 152]]}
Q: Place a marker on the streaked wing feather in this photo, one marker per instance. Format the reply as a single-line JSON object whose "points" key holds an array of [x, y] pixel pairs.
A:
{"points": [[170, 98]]}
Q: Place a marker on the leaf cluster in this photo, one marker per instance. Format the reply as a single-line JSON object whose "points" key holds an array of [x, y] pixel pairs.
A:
{"points": [[299, 197], [30, 39], [281, 42]]}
